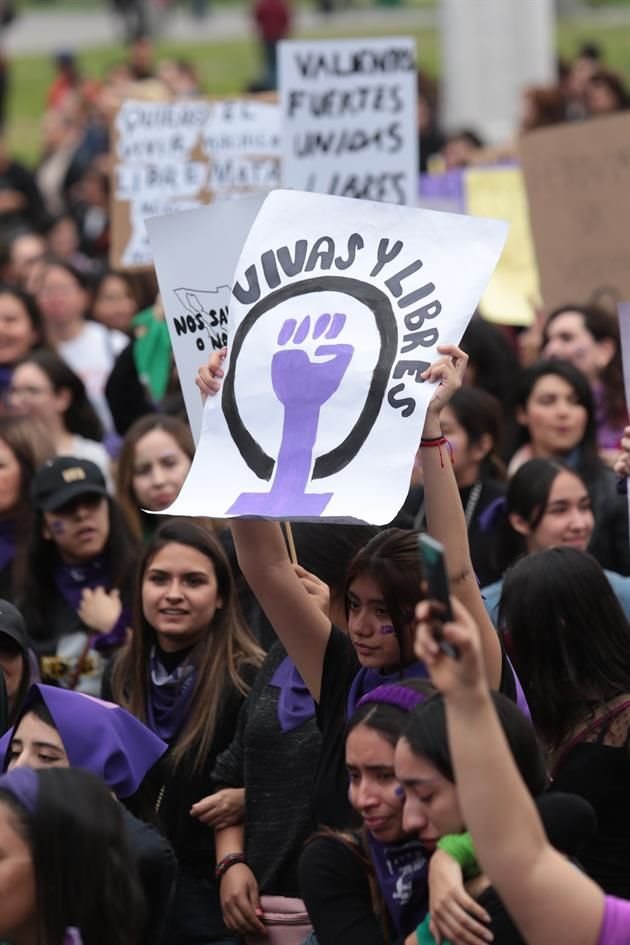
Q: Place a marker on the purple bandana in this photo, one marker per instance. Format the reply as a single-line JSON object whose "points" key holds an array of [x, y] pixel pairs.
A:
{"points": [[401, 873], [72, 579], [7, 542], [295, 703], [98, 736], [170, 695], [22, 783], [396, 695], [368, 679]]}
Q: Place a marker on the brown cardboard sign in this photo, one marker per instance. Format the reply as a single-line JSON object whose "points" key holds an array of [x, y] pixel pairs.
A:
{"points": [[578, 186]]}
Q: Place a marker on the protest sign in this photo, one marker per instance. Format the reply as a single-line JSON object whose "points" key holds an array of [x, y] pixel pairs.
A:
{"points": [[349, 118], [578, 186], [195, 267], [624, 332], [337, 307], [513, 294], [173, 156]]}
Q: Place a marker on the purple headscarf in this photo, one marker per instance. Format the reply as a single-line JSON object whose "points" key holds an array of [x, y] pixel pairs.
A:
{"points": [[98, 736], [23, 785]]}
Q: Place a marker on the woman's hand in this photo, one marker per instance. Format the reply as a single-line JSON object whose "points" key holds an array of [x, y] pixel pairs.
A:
{"points": [[450, 675], [449, 370], [622, 463], [207, 379], [99, 609], [455, 916], [223, 809], [240, 902], [318, 590]]}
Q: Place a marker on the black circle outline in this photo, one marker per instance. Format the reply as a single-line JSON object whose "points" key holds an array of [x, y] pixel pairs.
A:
{"points": [[338, 458]]}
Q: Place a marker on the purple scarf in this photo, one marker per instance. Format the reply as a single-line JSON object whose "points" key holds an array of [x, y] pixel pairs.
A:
{"points": [[23, 784], [7, 542], [401, 873], [368, 679], [295, 703], [170, 696], [97, 736], [72, 579]]}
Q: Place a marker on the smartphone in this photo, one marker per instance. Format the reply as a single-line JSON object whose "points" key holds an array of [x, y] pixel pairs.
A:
{"points": [[432, 554]]}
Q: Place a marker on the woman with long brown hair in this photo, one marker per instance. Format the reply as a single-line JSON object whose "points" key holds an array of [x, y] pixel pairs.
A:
{"points": [[24, 447], [154, 460], [185, 672]]}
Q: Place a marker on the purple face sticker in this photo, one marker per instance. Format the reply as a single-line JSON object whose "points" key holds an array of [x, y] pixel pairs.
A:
{"points": [[57, 527], [387, 629]]}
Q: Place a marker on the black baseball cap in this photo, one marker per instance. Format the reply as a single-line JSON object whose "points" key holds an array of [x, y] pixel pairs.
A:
{"points": [[12, 624], [62, 479]]}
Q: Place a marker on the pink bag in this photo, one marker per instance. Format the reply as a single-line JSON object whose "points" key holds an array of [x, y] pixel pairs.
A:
{"points": [[287, 922]]}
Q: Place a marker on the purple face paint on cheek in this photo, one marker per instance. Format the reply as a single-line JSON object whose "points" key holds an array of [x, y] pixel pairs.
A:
{"points": [[387, 630], [57, 527]]}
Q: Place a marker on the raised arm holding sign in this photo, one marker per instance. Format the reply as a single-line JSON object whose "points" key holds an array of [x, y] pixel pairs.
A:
{"points": [[265, 562]]}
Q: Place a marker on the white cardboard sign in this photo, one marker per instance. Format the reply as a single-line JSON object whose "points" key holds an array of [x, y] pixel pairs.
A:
{"points": [[349, 117], [175, 156], [195, 261], [336, 308]]}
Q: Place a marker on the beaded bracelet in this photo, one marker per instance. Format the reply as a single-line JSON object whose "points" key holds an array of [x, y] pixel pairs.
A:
{"points": [[439, 442], [226, 862]]}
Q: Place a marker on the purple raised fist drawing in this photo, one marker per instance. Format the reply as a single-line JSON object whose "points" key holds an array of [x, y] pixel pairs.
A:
{"points": [[302, 386]]}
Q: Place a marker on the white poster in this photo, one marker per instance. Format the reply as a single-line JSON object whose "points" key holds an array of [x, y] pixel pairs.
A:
{"points": [[195, 257], [336, 309], [174, 156], [350, 117]]}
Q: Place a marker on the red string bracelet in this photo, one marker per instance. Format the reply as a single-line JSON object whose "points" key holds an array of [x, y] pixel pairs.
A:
{"points": [[439, 442]]}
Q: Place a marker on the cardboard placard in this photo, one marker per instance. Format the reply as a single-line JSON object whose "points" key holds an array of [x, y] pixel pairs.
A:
{"points": [[578, 187]]}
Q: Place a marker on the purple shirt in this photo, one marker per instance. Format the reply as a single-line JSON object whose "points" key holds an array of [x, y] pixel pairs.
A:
{"points": [[616, 925]]}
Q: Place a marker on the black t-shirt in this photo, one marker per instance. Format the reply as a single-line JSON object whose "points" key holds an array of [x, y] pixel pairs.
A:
{"points": [[329, 799], [335, 887]]}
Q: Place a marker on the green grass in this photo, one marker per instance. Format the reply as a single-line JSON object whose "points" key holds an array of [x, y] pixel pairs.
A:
{"points": [[227, 67]]}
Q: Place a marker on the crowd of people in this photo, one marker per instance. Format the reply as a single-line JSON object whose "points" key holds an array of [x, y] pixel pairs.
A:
{"points": [[585, 88], [211, 737]]}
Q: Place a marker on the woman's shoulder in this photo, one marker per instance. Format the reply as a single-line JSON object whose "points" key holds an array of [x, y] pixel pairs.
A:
{"points": [[338, 852], [519, 458]]}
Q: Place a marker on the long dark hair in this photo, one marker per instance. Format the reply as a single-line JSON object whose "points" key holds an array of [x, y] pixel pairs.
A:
{"points": [[588, 461], [391, 559], [29, 305], [569, 638], [80, 416], [28, 440], [601, 325], [220, 655], [527, 496], [85, 876], [427, 735], [120, 553], [479, 413]]}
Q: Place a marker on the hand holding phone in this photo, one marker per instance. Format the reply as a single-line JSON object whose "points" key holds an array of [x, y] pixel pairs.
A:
{"points": [[432, 554]]}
